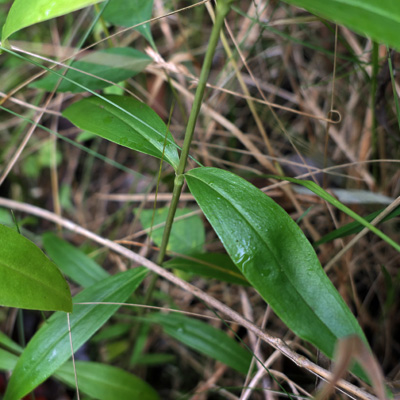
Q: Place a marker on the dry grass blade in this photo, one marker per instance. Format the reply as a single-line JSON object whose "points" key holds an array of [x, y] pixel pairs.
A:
{"points": [[350, 349]]}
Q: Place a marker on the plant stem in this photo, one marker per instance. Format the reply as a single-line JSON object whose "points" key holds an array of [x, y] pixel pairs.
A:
{"points": [[223, 7]]}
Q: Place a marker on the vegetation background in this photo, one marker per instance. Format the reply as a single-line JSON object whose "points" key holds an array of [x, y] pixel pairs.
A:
{"points": [[306, 67]]}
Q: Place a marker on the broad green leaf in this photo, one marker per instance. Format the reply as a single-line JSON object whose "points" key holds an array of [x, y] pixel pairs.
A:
{"points": [[105, 382], [24, 13], [28, 278], [73, 262], [332, 200], [205, 339], [50, 347], [114, 64], [7, 360], [129, 13], [143, 130], [354, 227], [378, 19], [211, 265], [274, 255], [187, 235]]}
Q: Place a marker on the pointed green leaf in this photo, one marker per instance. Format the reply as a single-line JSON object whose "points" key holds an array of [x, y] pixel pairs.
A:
{"points": [[274, 255], [210, 265], [28, 278], [354, 227], [50, 347], [73, 262], [138, 127], [105, 382], [129, 13], [187, 234], [378, 19], [114, 64], [24, 13], [205, 339], [335, 202]]}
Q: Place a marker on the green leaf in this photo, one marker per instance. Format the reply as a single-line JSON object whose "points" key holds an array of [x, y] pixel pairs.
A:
{"points": [[274, 255], [332, 200], [354, 227], [7, 360], [155, 359], [73, 262], [114, 64], [6, 342], [129, 13], [104, 382], [24, 13], [210, 265], [378, 19], [205, 339], [50, 346], [28, 278], [143, 130], [187, 235]]}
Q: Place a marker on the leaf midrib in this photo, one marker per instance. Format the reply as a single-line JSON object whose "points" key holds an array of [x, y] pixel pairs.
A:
{"points": [[33, 278], [279, 263]]}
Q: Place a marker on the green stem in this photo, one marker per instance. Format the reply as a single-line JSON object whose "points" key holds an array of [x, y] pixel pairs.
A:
{"points": [[223, 7]]}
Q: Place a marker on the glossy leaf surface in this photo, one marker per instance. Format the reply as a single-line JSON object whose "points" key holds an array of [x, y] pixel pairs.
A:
{"points": [[378, 19], [134, 125], [129, 13], [50, 347], [187, 234], [73, 262], [205, 339], [210, 265], [114, 64], [28, 278], [274, 255], [105, 382], [24, 13]]}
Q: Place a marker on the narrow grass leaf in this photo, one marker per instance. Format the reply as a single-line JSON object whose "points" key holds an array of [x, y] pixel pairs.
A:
{"points": [[187, 234], [24, 13], [143, 130], [114, 64], [210, 265], [332, 200], [105, 382], [379, 20], [73, 262], [50, 347], [7, 360], [28, 278], [354, 227], [274, 255], [133, 12], [205, 339], [9, 344]]}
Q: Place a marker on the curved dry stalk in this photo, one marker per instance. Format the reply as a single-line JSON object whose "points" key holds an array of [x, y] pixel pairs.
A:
{"points": [[275, 342]]}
